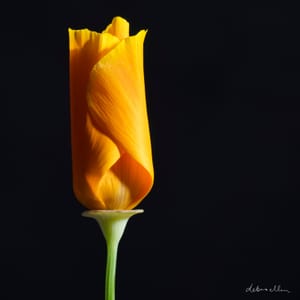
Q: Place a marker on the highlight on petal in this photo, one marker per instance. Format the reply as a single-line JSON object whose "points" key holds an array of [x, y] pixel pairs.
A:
{"points": [[111, 148], [119, 28]]}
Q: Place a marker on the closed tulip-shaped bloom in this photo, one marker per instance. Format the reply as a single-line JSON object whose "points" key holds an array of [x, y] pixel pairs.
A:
{"points": [[111, 150]]}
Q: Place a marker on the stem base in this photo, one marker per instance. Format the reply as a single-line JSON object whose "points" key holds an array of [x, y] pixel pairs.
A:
{"points": [[112, 224]]}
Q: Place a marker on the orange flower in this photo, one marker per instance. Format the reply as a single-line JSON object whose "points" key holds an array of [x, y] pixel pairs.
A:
{"points": [[111, 149]]}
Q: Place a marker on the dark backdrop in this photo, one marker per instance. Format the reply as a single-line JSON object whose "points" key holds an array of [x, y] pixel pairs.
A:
{"points": [[222, 85]]}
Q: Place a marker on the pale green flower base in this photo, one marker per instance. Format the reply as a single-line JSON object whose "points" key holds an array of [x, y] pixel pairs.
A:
{"points": [[112, 224]]}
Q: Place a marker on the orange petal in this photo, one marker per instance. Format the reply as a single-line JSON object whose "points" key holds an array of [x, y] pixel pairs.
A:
{"points": [[111, 151], [117, 105], [86, 48]]}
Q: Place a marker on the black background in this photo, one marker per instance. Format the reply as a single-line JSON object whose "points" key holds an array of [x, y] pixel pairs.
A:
{"points": [[222, 82]]}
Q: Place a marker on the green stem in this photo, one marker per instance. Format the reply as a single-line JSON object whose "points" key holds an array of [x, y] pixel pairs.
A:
{"points": [[112, 224], [111, 265]]}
